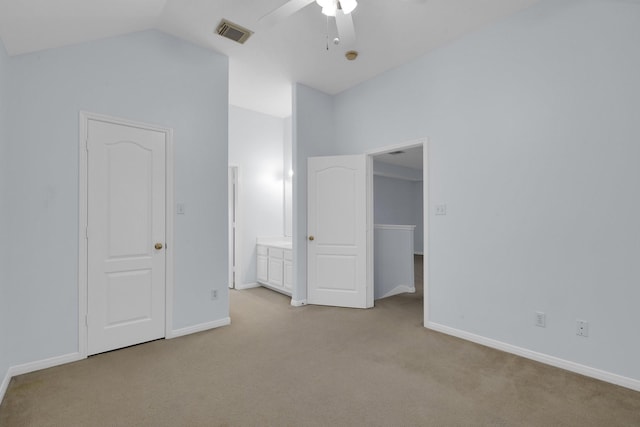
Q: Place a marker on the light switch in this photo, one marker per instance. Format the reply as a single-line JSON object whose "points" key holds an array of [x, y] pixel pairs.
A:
{"points": [[441, 209], [180, 208]]}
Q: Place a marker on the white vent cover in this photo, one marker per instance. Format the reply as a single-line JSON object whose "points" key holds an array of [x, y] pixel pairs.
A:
{"points": [[233, 31]]}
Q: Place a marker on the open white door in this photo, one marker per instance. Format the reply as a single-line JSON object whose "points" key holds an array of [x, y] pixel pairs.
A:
{"points": [[337, 232]]}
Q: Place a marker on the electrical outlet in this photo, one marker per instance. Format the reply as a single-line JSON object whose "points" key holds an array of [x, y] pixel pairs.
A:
{"points": [[582, 328], [441, 209], [214, 294], [541, 319], [180, 208]]}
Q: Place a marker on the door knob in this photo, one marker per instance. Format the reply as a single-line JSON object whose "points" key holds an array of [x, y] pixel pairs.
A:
{"points": [[158, 246], [311, 237]]}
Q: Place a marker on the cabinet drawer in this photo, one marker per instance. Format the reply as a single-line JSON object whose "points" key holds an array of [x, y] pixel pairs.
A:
{"points": [[275, 253], [288, 255], [262, 250]]}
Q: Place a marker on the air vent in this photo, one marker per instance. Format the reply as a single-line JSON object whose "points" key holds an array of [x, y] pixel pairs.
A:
{"points": [[393, 153], [233, 31]]}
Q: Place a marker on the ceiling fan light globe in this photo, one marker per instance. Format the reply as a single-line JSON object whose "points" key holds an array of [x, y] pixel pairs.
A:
{"points": [[330, 10], [324, 3], [348, 6]]}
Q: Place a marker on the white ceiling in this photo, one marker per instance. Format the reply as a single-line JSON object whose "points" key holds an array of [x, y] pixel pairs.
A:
{"points": [[261, 72]]}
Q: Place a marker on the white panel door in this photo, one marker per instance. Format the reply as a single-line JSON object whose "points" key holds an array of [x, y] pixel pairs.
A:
{"points": [[337, 232], [126, 235]]}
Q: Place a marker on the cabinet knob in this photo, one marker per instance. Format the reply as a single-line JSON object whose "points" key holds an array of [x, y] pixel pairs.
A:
{"points": [[311, 238]]}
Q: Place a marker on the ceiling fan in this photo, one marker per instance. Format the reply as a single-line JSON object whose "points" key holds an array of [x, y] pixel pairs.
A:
{"points": [[339, 9]]}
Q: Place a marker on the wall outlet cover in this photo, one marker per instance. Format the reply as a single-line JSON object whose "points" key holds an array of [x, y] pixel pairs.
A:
{"points": [[582, 328]]}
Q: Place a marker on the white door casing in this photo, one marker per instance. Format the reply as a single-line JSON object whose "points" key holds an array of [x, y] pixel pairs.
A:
{"points": [[337, 232], [126, 218]]}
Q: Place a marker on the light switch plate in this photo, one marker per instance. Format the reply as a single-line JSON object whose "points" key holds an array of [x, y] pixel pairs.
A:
{"points": [[441, 209], [180, 208]]}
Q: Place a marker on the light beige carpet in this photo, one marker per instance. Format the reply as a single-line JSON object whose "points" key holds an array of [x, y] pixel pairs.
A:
{"points": [[314, 366]]}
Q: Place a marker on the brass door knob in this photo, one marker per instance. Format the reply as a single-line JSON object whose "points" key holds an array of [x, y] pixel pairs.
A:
{"points": [[311, 237], [158, 246]]}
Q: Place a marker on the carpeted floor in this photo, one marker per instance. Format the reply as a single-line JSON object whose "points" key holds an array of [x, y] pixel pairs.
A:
{"points": [[277, 365]]}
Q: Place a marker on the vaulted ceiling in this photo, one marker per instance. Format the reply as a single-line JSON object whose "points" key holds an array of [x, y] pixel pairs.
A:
{"points": [[262, 71]]}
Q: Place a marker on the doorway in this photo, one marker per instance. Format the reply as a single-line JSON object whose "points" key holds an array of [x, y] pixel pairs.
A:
{"points": [[398, 174], [126, 233], [340, 225]]}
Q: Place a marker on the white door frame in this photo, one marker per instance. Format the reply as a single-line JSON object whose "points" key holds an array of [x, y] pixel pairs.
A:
{"points": [[424, 142], [83, 222], [234, 192]]}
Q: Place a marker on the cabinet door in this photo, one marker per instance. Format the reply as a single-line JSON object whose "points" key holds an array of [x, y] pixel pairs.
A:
{"points": [[275, 272]]}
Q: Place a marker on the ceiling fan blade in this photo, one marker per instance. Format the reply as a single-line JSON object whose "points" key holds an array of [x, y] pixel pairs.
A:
{"points": [[346, 30], [284, 11]]}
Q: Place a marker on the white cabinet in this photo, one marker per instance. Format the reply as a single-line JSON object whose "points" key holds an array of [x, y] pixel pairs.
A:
{"points": [[275, 268]]}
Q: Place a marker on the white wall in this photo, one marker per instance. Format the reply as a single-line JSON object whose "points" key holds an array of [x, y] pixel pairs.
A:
{"points": [[256, 144], [313, 135], [534, 148], [288, 179], [149, 77], [4, 224]]}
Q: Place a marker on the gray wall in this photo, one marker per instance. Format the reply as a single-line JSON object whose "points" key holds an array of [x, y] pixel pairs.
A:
{"points": [[313, 135], [534, 148], [4, 224], [146, 76], [256, 143]]}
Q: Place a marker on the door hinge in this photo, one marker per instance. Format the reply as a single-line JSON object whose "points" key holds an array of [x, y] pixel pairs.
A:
{"points": [[86, 144], [86, 232], [86, 320]]}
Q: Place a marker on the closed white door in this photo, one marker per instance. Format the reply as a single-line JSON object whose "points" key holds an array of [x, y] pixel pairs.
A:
{"points": [[126, 235], [337, 232]]}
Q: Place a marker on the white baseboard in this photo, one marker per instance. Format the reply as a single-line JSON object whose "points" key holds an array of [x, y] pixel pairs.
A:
{"points": [[247, 285], [298, 303], [5, 384], [199, 328], [588, 371], [36, 366], [45, 363]]}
